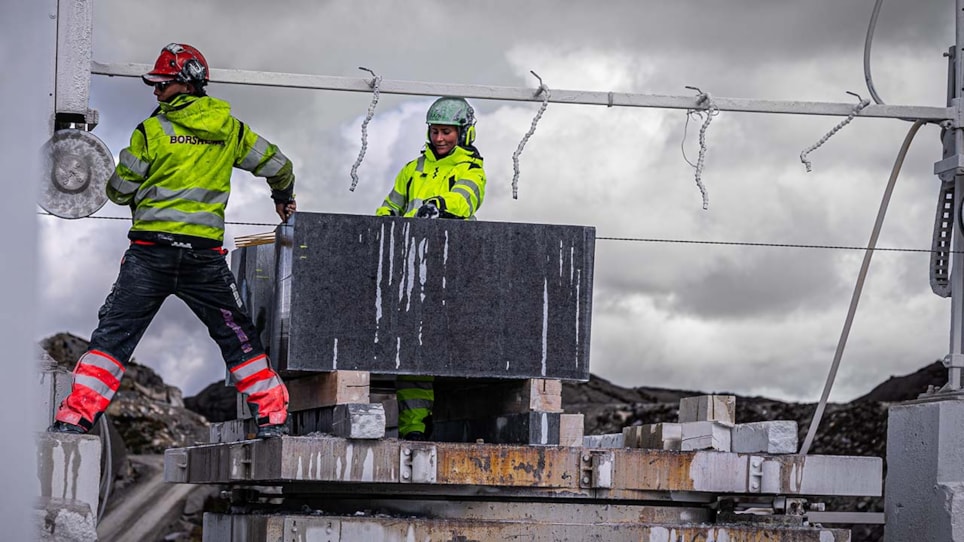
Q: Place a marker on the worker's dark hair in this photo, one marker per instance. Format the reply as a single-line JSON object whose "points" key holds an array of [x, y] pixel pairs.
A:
{"points": [[198, 87]]}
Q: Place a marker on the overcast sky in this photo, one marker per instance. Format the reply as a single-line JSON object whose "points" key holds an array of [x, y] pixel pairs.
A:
{"points": [[742, 319]]}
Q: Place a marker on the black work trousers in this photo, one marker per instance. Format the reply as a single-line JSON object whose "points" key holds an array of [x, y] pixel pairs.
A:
{"points": [[200, 277]]}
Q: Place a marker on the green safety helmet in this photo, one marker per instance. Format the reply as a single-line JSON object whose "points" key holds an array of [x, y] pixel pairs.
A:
{"points": [[452, 111]]}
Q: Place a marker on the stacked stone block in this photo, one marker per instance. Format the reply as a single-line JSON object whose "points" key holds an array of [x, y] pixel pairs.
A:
{"points": [[708, 422]]}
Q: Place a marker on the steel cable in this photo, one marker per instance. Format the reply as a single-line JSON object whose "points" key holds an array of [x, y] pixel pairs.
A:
{"points": [[867, 43], [107, 477], [638, 239], [858, 287]]}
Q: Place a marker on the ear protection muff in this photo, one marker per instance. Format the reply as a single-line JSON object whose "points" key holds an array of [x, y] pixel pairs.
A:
{"points": [[193, 70], [467, 136]]}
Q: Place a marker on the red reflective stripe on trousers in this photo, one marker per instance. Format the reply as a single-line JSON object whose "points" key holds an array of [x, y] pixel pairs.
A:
{"points": [[82, 403], [272, 403], [98, 373], [108, 356], [85, 403], [242, 368], [260, 376]]}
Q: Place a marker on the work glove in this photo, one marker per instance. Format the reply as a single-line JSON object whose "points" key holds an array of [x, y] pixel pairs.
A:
{"points": [[428, 210]]}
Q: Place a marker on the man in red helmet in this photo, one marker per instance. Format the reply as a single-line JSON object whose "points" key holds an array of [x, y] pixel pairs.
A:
{"points": [[176, 178]]}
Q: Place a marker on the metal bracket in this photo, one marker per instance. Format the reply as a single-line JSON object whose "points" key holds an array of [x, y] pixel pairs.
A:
{"points": [[790, 506], [953, 360], [596, 469], [241, 459], [299, 529], [417, 464], [953, 162], [957, 118], [754, 474], [176, 463], [952, 165]]}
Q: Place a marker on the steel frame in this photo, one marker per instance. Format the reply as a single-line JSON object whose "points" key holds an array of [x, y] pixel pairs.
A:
{"points": [[954, 153], [525, 94], [552, 472]]}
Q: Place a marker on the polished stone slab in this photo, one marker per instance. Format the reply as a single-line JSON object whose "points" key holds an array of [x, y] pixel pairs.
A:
{"points": [[439, 297]]}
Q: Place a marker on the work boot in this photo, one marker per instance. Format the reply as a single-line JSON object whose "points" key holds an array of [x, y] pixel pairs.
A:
{"points": [[64, 427], [272, 431], [417, 436]]}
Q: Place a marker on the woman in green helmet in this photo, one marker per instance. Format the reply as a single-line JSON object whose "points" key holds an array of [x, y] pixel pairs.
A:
{"points": [[445, 181]]}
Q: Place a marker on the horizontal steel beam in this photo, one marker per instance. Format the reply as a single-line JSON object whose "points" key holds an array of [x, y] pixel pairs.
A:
{"points": [[865, 518], [613, 474], [264, 528], [588, 513], [524, 94]]}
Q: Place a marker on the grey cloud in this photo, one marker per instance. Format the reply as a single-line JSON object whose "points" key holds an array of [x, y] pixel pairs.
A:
{"points": [[769, 285]]}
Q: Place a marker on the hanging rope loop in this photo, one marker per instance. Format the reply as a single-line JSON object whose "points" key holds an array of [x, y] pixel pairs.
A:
{"points": [[707, 109], [374, 83], [544, 90], [857, 108]]}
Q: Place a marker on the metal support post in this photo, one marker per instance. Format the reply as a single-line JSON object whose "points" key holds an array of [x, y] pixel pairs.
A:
{"points": [[953, 155], [74, 51]]}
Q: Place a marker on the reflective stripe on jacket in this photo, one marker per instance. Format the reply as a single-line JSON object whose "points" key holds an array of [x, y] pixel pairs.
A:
{"points": [[416, 398], [458, 180], [176, 173]]}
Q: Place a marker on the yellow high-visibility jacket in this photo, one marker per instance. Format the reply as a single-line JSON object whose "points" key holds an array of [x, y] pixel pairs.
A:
{"points": [[455, 182], [176, 173]]}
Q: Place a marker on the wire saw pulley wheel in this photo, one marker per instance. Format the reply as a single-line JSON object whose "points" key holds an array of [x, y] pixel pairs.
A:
{"points": [[76, 167]]}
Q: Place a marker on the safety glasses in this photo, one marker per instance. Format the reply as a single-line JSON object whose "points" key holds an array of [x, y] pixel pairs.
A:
{"points": [[162, 85]]}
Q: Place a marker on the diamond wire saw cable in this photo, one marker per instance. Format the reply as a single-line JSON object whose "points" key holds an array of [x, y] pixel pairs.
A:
{"points": [[107, 477], [627, 239], [867, 43], [858, 287]]}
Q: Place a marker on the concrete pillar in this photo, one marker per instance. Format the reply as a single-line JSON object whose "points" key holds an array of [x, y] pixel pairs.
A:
{"points": [[29, 41], [924, 489], [53, 385], [68, 468]]}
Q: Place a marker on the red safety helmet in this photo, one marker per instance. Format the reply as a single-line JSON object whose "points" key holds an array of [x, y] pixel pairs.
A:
{"points": [[179, 62]]}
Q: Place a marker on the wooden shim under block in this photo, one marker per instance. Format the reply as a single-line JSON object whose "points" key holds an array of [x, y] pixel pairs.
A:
{"points": [[543, 395], [326, 389], [571, 428]]}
